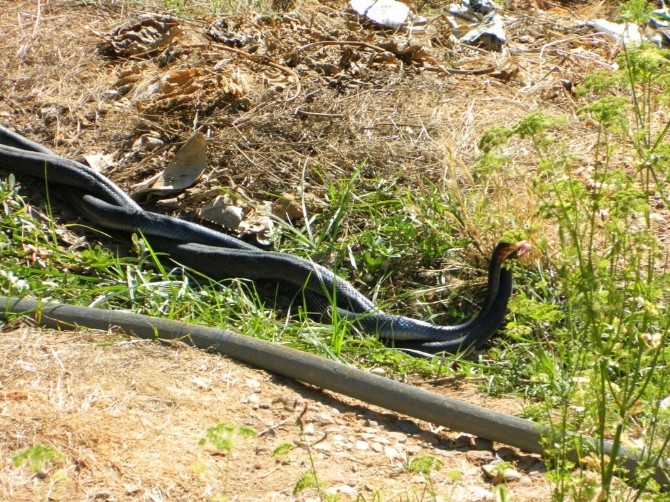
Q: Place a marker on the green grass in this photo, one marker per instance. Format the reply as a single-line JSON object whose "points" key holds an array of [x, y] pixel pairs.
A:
{"points": [[105, 275], [586, 338], [45, 463], [37, 458], [603, 371]]}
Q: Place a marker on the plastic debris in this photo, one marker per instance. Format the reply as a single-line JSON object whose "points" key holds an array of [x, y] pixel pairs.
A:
{"points": [[626, 33], [389, 13], [490, 34], [477, 22], [655, 31]]}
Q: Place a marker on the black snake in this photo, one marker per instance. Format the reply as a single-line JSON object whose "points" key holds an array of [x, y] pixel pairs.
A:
{"points": [[221, 256]]}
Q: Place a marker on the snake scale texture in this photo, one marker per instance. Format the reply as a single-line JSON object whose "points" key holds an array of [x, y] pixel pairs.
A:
{"points": [[220, 256]]}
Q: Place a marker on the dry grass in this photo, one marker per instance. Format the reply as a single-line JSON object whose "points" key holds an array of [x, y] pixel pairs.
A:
{"points": [[128, 415], [397, 118], [280, 118]]}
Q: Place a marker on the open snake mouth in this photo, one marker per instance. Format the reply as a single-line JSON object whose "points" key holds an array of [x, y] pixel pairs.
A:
{"points": [[515, 250]]}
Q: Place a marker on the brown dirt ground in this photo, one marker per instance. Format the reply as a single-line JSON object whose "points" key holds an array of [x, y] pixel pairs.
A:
{"points": [[129, 415], [278, 113]]}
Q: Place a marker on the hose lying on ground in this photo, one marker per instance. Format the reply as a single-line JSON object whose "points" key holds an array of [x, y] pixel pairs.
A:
{"points": [[307, 368]]}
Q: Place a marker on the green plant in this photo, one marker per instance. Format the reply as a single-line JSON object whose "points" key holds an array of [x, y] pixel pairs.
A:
{"points": [[603, 372], [306, 480], [38, 458], [636, 11], [424, 464], [47, 464], [176, 6], [282, 449], [221, 436]]}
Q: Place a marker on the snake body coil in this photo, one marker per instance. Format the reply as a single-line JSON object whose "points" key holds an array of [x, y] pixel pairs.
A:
{"points": [[221, 256]]}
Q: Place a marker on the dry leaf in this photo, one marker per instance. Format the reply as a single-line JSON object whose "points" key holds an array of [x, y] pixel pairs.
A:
{"points": [[100, 161], [186, 167], [232, 213], [287, 208], [223, 211], [144, 36]]}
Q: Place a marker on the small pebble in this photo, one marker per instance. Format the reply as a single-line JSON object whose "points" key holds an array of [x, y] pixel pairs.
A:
{"points": [[253, 383], [350, 491], [324, 418], [479, 493], [253, 398], [378, 371], [480, 457], [498, 475]]}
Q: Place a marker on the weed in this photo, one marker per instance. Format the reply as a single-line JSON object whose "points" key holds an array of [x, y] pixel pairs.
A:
{"points": [[282, 450], [636, 11], [424, 464], [37, 458], [306, 480], [221, 435], [44, 461], [176, 6], [608, 349]]}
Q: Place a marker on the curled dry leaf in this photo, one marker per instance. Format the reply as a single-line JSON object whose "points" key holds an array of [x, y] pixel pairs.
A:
{"points": [[179, 87], [258, 224], [175, 84], [234, 35], [147, 142], [223, 211], [145, 35], [246, 219], [100, 161], [287, 208], [184, 170], [407, 52]]}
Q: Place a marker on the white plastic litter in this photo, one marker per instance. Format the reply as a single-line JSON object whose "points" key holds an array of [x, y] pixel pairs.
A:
{"points": [[389, 13], [625, 33]]}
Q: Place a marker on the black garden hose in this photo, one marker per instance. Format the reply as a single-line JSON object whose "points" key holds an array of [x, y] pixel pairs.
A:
{"points": [[395, 396]]}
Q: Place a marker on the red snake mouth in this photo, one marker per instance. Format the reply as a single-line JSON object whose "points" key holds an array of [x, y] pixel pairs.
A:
{"points": [[515, 250]]}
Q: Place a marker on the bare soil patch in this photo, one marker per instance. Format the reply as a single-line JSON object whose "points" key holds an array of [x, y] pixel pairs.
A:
{"points": [[288, 104], [128, 415]]}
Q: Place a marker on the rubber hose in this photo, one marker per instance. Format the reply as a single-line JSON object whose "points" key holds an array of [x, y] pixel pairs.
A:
{"points": [[373, 389]]}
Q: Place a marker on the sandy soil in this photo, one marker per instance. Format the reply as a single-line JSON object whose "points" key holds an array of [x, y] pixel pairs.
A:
{"points": [[128, 417]]}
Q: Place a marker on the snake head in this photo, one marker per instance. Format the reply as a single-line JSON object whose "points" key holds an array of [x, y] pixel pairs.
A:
{"points": [[522, 248], [506, 250]]}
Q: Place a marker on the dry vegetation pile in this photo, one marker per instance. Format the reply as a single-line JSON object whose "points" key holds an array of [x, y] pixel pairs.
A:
{"points": [[290, 102]]}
